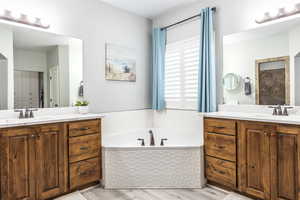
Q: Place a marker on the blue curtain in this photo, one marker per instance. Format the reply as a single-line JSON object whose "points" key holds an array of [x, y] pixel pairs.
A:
{"points": [[159, 49], [207, 100]]}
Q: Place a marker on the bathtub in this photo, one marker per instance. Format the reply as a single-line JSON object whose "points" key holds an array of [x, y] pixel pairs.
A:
{"points": [[126, 164]]}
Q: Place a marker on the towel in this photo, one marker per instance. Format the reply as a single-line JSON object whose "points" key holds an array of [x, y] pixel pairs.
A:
{"points": [[80, 92], [247, 86]]}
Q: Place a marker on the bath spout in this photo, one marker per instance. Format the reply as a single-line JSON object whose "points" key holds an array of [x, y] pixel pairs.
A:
{"points": [[152, 142]]}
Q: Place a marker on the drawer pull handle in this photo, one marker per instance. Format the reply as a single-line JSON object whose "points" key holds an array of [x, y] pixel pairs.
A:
{"points": [[221, 172], [219, 127], [84, 148], [221, 147], [86, 173], [84, 129]]}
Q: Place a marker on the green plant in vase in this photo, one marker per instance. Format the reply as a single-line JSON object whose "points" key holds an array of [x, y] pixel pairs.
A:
{"points": [[82, 107]]}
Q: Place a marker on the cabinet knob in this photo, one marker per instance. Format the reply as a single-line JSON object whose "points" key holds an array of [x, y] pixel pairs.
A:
{"points": [[32, 136]]}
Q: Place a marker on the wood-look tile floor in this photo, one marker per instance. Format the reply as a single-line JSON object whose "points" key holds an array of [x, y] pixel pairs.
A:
{"points": [[149, 194]]}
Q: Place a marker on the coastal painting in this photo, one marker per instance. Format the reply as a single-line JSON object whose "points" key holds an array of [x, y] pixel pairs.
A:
{"points": [[120, 63]]}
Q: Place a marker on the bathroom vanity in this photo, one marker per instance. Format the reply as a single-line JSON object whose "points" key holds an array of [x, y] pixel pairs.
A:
{"points": [[42, 160], [253, 154]]}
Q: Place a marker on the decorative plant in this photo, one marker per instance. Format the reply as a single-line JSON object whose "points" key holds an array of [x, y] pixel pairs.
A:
{"points": [[82, 103]]}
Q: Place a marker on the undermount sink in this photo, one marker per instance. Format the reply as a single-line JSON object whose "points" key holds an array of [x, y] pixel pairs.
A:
{"points": [[24, 120]]}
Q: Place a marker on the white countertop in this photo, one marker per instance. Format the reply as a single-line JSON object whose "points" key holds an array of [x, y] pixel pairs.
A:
{"points": [[291, 119], [47, 119]]}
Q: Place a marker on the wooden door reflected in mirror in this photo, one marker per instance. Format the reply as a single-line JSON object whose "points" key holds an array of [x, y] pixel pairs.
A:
{"points": [[272, 81]]}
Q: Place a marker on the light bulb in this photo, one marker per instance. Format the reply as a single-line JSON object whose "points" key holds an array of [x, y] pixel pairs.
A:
{"points": [[31, 19], [23, 18], [281, 11], [297, 6], [38, 22], [15, 15], [44, 23]]}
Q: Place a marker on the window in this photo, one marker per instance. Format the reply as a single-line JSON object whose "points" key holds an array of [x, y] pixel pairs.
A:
{"points": [[181, 74]]}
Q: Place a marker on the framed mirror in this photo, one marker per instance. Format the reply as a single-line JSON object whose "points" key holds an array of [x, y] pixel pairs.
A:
{"points": [[272, 81], [231, 82], [39, 69]]}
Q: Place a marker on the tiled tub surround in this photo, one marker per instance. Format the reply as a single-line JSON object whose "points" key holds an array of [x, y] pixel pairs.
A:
{"points": [[128, 165]]}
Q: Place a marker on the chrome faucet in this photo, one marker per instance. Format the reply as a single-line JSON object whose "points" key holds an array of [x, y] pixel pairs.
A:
{"points": [[281, 110], [152, 142], [28, 113]]}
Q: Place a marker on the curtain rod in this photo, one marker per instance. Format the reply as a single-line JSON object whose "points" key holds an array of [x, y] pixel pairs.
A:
{"points": [[185, 20]]}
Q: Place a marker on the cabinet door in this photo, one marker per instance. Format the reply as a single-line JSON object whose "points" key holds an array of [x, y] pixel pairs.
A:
{"points": [[51, 161], [286, 163], [17, 164], [254, 163]]}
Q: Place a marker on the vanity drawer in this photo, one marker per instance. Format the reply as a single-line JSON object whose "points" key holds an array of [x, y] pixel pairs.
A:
{"points": [[84, 147], [220, 146], [84, 128], [220, 126], [84, 172], [221, 172], [49, 128]]}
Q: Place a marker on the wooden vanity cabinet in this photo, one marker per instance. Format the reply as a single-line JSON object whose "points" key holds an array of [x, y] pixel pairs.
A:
{"points": [[51, 161], [35, 163], [267, 158], [84, 153], [285, 163], [220, 152], [255, 159], [18, 164]]}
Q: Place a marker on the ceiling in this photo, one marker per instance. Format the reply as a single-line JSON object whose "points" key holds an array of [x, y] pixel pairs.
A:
{"points": [[148, 8]]}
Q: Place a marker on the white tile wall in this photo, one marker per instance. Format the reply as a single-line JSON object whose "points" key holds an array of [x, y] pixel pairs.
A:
{"points": [[180, 124], [117, 122]]}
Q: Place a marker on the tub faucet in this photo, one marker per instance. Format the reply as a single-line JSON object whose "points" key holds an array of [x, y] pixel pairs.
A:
{"points": [[142, 141], [152, 142], [162, 141]]}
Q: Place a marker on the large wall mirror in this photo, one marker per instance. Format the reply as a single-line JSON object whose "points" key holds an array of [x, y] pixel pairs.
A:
{"points": [[39, 69], [267, 62]]}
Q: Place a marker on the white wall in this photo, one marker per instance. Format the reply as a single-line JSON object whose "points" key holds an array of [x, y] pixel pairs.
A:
{"points": [[52, 57], [76, 63], [97, 23], [3, 83], [64, 77], [294, 43], [297, 80], [28, 60], [6, 49]]}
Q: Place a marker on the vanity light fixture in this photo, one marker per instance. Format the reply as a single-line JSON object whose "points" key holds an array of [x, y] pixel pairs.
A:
{"points": [[22, 19], [281, 13]]}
